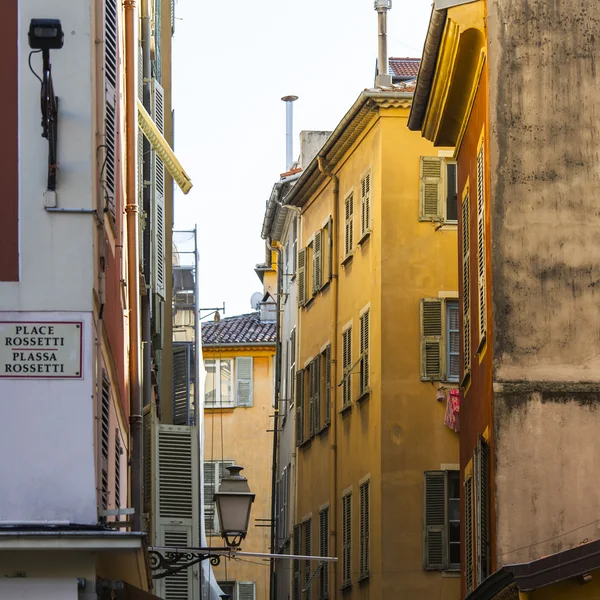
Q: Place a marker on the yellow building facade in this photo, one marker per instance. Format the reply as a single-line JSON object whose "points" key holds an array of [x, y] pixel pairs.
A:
{"points": [[377, 361]]}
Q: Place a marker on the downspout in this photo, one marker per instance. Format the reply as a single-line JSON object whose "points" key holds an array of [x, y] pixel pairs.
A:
{"points": [[272, 574], [334, 377], [133, 260]]}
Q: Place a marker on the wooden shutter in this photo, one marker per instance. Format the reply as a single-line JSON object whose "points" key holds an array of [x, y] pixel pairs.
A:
{"points": [[481, 275], [482, 509], [435, 544], [431, 339], [243, 380], [317, 277], [311, 398], [105, 438], [296, 565], [349, 231], [246, 590], [148, 454], [158, 196], [347, 365], [347, 539], [469, 533], [364, 353], [306, 526], [329, 242], [180, 585], [299, 407], [466, 285], [210, 477], [118, 452], [141, 140], [431, 188], [111, 54], [181, 384], [302, 277], [328, 385], [316, 394], [365, 205], [364, 530], [324, 551]]}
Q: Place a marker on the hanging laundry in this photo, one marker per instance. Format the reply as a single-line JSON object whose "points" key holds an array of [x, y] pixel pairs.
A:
{"points": [[452, 410]]}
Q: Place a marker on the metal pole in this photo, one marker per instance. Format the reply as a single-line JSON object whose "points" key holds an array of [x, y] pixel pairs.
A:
{"points": [[289, 130], [383, 76]]}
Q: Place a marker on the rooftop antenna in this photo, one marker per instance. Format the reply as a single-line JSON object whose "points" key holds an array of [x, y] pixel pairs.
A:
{"points": [[289, 130], [383, 79]]}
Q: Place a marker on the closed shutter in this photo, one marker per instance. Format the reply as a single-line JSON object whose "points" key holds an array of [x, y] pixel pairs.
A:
{"points": [[482, 509], [431, 189], [481, 275], [243, 381], [105, 438], [296, 565], [328, 385], [140, 163], [431, 339], [181, 384], [315, 392], [469, 534], [299, 407], [329, 242], [317, 278], [349, 230], [173, 29], [111, 57], [347, 364], [158, 192], [210, 477], [324, 551], [466, 286], [364, 530], [179, 585], [118, 452], [302, 277], [365, 205], [148, 455], [364, 353], [347, 539], [306, 526], [246, 590], [435, 544]]}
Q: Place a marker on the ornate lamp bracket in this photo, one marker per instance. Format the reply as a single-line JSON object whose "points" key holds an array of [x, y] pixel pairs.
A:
{"points": [[165, 563]]}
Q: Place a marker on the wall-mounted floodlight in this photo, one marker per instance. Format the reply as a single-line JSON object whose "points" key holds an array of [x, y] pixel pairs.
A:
{"points": [[46, 35]]}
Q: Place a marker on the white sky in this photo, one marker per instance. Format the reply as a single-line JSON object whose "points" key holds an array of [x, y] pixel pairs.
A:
{"points": [[232, 63]]}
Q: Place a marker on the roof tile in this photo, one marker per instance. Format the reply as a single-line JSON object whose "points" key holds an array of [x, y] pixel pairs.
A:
{"points": [[405, 67], [241, 329]]}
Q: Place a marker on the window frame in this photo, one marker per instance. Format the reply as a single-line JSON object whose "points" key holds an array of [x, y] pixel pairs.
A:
{"points": [[451, 304], [348, 227], [441, 215], [218, 404]]}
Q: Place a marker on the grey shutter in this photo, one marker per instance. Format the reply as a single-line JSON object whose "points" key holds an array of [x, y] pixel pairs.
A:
{"points": [[435, 545], [118, 452], [175, 474], [158, 200], [173, 29], [246, 590], [431, 339], [364, 353], [317, 278], [468, 567], [148, 447], [299, 407], [481, 274], [311, 398], [347, 364], [306, 526], [181, 384], [111, 37], [140, 162], [364, 530], [431, 189], [347, 539], [105, 438], [365, 204], [324, 551], [210, 478], [243, 381], [302, 277], [178, 586], [328, 385], [296, 565], [329, 243], [349, 231]]}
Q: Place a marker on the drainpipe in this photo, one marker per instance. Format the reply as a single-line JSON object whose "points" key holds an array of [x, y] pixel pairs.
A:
{"points": [[272, 574], [289, 130], [333, 503], [384, 79], [133, 263]]}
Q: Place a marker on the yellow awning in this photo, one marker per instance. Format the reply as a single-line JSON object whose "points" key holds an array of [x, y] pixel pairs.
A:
{"points": [[163, 149]]}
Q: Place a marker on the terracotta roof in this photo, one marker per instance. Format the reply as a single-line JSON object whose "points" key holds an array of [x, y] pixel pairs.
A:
{"points": [[241, 329], [405, 68]]}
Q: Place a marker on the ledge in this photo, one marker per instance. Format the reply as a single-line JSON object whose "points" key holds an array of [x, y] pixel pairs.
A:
{"points": [[323, 430], [346, 410], [346, 586], [348, 259], [364, 237], [309, 303], [325, 285], [364, 578], [364, 396], [305, 444]]}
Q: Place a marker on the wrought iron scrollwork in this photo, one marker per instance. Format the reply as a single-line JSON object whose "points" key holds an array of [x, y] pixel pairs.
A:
{"points": [[163, 564]]}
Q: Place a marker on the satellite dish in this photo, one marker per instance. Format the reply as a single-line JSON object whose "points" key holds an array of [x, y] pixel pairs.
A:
{"points": [[255, 300]]}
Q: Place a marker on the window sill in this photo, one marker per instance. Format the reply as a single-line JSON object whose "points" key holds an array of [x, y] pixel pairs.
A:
{"points": [[309, 303], [346, 410], [364, 237], [481, 346], [364, 396], [222, 406], [451, 573], [305, 444], [348, 259], [346, 586], [325, 285], [323, 430], [364, 578]]}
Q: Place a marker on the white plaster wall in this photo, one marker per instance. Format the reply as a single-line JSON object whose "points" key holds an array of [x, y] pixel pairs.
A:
{"points": [[56, 250], [47, 439], [32, 589]]}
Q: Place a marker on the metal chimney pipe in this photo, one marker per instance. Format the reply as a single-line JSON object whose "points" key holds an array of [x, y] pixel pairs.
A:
{"points": [[383, 79], [289, 130]]}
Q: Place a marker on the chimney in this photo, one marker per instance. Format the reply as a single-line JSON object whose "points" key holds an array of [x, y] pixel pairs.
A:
{"points": [[289, 130], [383, 79]]}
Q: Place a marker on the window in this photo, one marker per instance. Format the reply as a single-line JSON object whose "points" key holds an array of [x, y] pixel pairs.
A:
{"points": [[314, 386], [439, 195], [469, 532], [228, 588], [105, 438], [482, 537], [296, 565], [111, 58], [292, 379], [324, 551], [365, 205], [364, 530], [347, 539], [439, 339], [294, 244], [242, 590], [364, 353], [442, 521], [219, 388], [317, 262], [327, 251], [283, 491], [299, 407], [301, 273], [214, 471], [349, 230], [326, 382], [347, 367], [466, 284], [306, 539], [481, 275]]}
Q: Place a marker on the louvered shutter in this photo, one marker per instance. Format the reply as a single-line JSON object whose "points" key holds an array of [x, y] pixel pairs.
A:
{"points": [[431, 188], [299, 407], [296, 565], [317, 278], [210, 478], [349, 230], [173, 29], [435, 544], [431, 339], [306, 526], [329, 243], [246, 590], [482, 509], [148, 455], [328, 385], [466, 285], [111, 37], [118, 452], [364, 530], [324, 551], [346, 539], [365, 205], [105, 438], [243, 380], [317, 395], [181, 384], [481, 275], [178, 586], [140, 163], [364, 353], [302, 277], [311, 398], [158, 196], [347, 364], [468, 568]]}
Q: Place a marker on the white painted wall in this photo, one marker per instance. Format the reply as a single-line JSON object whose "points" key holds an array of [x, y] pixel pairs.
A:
{"points": [[49, 589]]}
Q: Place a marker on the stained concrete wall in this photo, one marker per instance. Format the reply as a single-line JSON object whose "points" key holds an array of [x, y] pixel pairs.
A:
{"points": [[546, 270]]}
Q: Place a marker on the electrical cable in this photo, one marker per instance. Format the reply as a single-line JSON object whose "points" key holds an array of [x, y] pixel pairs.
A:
{"points": [[31, 68]]}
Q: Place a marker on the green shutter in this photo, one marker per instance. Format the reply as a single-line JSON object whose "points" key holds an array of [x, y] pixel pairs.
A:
{"points": [[328, 385], [299, 407], [365, 205], [431, 189], [431, 339], [324, 551], [364, 353], [364, 530], [296, 565], [347, 539], [301, 277], [306, 526], [317, 276], [468, 567], [466, 286], [246, 590], [435, 530], [243, 381], [482, 509]]}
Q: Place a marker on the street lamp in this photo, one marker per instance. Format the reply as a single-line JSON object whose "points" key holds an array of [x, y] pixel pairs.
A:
{"points": [[234, 502]]}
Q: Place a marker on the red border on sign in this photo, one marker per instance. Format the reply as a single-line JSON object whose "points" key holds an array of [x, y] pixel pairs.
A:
{"points": [[28, 376]]}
